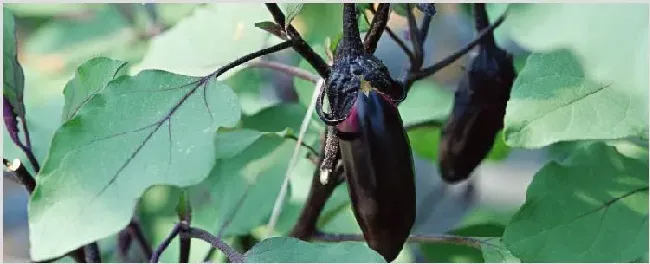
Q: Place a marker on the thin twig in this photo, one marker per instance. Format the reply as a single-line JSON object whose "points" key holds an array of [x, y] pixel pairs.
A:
{"points": [[424, 30], [216, 242], [11, 124], [136, 232], [251, 56], [161, 248], [299, 44], [184, 210], [302, 143], [393, 36], [377, 28], [428, 71], [414, 33], [279, 201], [287, 69], [472, 242], [28, 147]]}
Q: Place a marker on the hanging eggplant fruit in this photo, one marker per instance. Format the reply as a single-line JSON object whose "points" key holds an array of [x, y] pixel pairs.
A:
{"points": [[375, 150], [479, 107]]}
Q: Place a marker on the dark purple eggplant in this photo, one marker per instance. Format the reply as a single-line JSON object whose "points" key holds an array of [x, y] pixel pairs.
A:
{"points": [[378, 166], [479, 108], [374, 149]]}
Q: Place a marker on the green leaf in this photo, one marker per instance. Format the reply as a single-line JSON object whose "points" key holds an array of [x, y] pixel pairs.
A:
{"points": [[362, 7], [425, 142], [494, 251], [364, 26], [334, 44], [91, 77], [290, 10], [426, 102], [14, 79], [272, 28], [341, 220], [246, 84], [153, 128], [183, 207], [287, 249], [282, 116], [486, 214], [552, 100], [584, 30], [318, 21], [591, 207], [255, 174], [197, 52]]}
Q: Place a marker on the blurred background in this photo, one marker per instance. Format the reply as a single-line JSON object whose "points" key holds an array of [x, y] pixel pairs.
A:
{"points": [[54, 39]]}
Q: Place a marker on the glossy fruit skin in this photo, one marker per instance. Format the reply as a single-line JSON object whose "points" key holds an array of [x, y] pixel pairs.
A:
{"points": [[379, 170], [478, 112]]}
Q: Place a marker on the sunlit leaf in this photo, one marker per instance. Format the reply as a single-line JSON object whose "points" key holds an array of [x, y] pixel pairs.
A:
{"points": [[575, 210], [552, 100], [149, 129]]}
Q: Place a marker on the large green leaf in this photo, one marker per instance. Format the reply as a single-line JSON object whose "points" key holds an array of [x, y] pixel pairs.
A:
{"points": [[591, 207], [287, 249], [610, 42], [13, 81], [212, 36], [153, 128], [552, 100], [91, 77]]}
